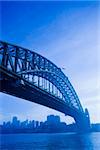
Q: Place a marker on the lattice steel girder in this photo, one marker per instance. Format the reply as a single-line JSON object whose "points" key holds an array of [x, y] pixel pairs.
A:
{"points": [[23, 61]]}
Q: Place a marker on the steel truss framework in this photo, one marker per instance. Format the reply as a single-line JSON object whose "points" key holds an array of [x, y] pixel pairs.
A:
{"points": [[28, 75], [40, 72]]}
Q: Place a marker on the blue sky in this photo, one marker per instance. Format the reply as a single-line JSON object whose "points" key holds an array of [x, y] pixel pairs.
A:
{"points": [[67, 33]]}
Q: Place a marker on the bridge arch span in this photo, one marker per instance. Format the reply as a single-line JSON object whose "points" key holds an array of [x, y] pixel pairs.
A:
{"points": [[19, 67]]}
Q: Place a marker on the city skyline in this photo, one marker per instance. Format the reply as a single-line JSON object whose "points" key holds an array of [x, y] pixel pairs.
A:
{"points": [[49, 118], [67, 34], [52, 124]]}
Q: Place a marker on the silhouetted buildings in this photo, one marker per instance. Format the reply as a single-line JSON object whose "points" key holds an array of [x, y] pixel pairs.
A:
{"points": [[51, 125]]}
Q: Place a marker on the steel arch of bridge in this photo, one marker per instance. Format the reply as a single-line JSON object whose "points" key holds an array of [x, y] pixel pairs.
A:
{"points": [[40, 81], [30, 65]]}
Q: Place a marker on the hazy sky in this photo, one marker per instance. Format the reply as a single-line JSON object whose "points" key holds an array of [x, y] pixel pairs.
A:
{"points": [[67, 33]]}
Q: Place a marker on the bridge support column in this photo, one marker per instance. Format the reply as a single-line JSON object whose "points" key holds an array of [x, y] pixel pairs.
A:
{"points": [[83, 122]]}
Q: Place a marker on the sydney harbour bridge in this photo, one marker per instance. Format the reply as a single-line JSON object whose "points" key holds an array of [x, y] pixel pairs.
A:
{"points": [[30, 76]]}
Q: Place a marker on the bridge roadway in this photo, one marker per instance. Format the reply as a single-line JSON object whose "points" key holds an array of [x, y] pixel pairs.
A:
{"points": [[14, 84]]}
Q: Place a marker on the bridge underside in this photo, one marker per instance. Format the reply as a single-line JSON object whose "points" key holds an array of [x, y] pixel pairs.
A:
{"points": [[13, 85]]}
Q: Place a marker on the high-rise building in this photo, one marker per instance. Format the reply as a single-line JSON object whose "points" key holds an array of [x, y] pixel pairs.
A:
{"points": [[37, 124], [15, 122], [51, 119]]}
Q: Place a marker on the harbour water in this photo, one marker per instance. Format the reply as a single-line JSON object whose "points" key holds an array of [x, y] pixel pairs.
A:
{"points": [[53, 141]]}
